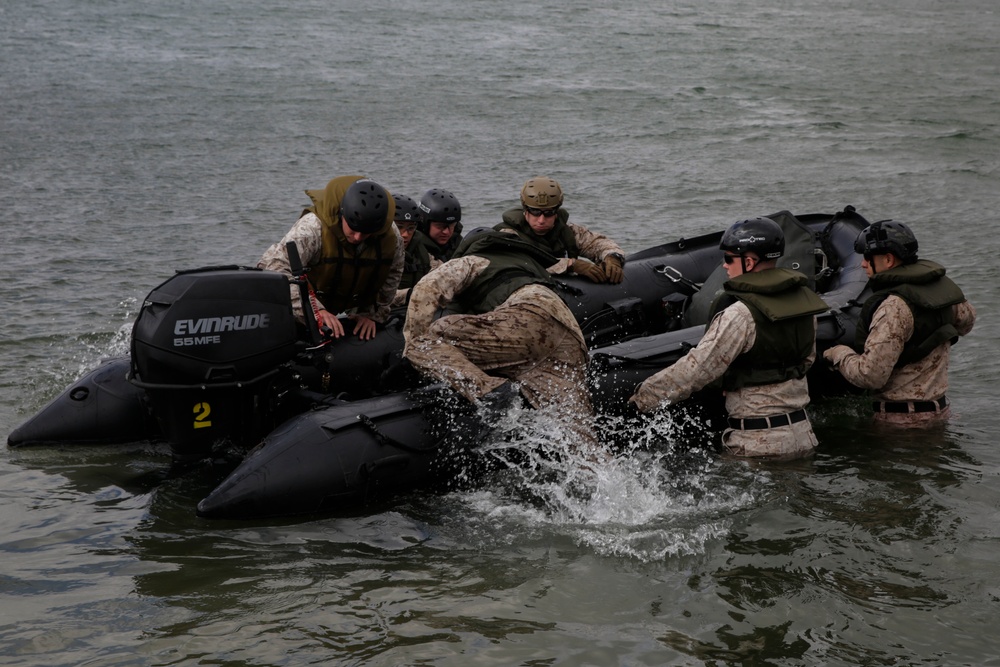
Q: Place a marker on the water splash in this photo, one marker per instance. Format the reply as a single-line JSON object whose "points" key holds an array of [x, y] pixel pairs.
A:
{"points": [[57, 361], [657, 496]]}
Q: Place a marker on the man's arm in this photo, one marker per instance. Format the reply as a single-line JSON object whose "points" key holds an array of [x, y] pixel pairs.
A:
{"points": [[379, 311], [307, 233], [593, 245], [891, 327], [436, 290], [730, 334]]}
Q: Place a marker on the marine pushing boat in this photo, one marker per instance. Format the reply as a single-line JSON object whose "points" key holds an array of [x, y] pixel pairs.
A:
{"points": [[217, 359]]}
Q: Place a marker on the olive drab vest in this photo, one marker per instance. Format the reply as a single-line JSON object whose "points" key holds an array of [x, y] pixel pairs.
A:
{"points": [[930, 296], [559, 242], [442, 253], [417, 262], [783, 309], [348, 275], [513, 264]]}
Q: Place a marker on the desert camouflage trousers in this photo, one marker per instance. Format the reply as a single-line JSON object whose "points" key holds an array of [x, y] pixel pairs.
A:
{"points": [[477, 353], [783, 443]]}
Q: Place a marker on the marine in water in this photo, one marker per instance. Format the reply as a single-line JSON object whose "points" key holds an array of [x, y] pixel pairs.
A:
{"points": [[759, 344], [906, 329]]}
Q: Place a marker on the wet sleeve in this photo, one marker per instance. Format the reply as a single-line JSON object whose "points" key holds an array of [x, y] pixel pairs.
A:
{"points": [[436, 290], [730, 334], [965, 317], [892, 326]]}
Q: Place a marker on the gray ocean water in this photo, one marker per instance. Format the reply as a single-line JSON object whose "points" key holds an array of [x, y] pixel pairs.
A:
{"points": [[140, 137]]}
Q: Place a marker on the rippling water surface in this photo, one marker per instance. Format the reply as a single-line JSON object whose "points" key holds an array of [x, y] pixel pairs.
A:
{"points": [[142, 137]]}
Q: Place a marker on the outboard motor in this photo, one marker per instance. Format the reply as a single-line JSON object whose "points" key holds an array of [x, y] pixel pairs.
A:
{"points": [[211, 349]]}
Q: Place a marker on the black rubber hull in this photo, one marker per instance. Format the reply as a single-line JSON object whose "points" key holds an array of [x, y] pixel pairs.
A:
{"points": [[101, 407], [346, 456]]}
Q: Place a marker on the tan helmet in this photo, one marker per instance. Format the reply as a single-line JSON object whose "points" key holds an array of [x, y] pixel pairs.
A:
{"points": [[541, 192]]}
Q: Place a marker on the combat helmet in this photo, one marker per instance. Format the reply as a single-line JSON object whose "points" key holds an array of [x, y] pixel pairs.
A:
{"points": [[365, 206], [762, 236], [406, 209], [541, 192], [887, 236], [438, 205]]}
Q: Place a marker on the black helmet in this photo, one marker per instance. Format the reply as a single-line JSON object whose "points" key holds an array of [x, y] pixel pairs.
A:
{"points": [[406, 209], [439, 205], [759, 235], [887, 236], [365, 206]]}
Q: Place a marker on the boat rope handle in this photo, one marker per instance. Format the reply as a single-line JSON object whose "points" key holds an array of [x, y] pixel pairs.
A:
{"points": [[675, 276], [384, 439]]}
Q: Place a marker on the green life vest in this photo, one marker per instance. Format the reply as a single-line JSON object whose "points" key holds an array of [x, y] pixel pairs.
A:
{"points": [[417, 262], [783, 309], [348, 275], [930, 296], [560, 241], [442, 253], [513, 264]]}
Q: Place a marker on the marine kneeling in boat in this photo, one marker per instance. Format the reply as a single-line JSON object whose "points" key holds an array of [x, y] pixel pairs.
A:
{"points": [[352, 250], [542, 221], [417, 262], [760, 341], [512, 327], [906, 329], [440, 223]]}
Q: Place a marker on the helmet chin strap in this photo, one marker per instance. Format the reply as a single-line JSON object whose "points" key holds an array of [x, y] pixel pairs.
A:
{"points": [[872, 264]]}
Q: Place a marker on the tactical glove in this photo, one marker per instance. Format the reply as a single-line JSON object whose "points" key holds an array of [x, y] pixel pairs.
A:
{"points": [[612, 266], [589, 270]]}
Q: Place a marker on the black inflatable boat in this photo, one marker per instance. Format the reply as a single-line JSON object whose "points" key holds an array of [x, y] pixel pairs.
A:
{"points": [[218, 359]]}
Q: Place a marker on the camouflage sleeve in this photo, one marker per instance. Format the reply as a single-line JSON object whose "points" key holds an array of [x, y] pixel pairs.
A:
{"points": [[892, 326], [594, 246], [307, 233], [730, 334], [379, 311], [436, 290], [399, 300], [965, 317]]}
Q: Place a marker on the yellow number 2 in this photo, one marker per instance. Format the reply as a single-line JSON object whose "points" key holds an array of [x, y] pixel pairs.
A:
{"points": [[201, 413]]}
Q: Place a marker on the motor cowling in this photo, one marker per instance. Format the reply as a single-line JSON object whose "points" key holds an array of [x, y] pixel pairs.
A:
{"points": [[208, 347]]}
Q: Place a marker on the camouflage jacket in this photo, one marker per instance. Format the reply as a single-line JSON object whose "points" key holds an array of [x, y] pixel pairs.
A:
{"points": [[731, 333], [874, 368], [307, 233]]}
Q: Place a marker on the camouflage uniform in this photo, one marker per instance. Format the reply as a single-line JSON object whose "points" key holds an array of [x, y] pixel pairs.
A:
{"points": [[307, 233], [732, 333], [402, 297], [591, 245], [531, 338], [922, 380]]}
